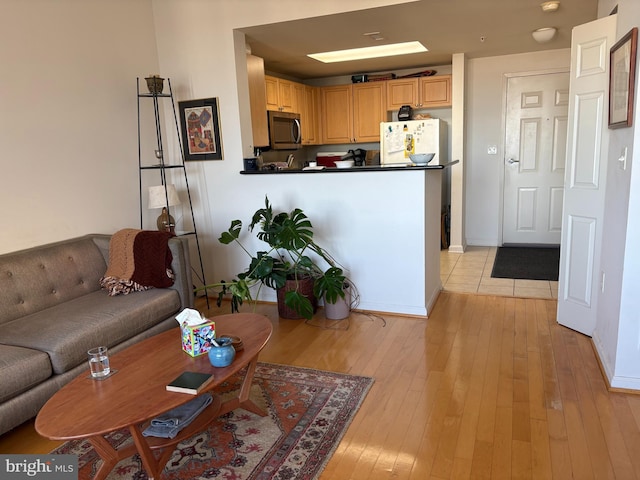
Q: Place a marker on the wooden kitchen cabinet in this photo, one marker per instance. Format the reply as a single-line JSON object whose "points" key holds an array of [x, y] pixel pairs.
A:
{"points": [[435, 91], [257, 100], [337, 114], [369, 110], [423, 92], [280, 94], [352, 113], [311, 122], [304, 99]]}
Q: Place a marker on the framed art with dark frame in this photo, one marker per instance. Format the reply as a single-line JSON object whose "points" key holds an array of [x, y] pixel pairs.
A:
{"points": [[622, 69], [200, 125]]}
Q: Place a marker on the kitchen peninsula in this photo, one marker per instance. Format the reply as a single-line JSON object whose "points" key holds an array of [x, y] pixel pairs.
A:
{"points": [[383, 224], [367, 168]]}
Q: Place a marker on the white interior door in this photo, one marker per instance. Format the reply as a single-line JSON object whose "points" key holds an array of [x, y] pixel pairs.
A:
{"points": [[535, 149], [580, 248]]}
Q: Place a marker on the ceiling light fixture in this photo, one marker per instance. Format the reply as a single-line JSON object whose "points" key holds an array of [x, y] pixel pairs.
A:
{"points": [[369, 52], [550, 6], [374, 35], [543, 35]]}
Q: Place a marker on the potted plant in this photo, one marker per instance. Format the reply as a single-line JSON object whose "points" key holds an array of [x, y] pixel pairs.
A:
{"points": [[285, 264]]}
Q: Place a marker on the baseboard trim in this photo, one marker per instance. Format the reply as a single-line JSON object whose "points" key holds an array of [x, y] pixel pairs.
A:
{"points": [[631, 385]]}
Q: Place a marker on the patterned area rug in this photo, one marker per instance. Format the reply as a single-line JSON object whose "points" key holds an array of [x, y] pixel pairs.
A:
{"points": [[308, 413]]}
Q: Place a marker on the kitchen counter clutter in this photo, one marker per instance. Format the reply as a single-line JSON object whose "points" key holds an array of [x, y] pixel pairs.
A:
{"points": [[366, 168]]}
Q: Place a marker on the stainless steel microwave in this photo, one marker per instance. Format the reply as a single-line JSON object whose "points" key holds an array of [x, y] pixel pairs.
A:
{"points": [[284, 130]]}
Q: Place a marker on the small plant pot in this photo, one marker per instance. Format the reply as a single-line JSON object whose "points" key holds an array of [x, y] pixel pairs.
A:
{"points": [[155, 85], [339, 310]]}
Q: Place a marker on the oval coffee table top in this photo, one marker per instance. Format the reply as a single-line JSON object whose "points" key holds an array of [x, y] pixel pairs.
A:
{"points": [[136, 392]]}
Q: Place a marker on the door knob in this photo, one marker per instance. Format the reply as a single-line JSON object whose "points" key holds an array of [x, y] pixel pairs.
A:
{"points": [[511, 161]]}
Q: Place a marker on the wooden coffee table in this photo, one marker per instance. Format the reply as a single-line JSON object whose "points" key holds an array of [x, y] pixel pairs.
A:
{"points": [[136, 393]]}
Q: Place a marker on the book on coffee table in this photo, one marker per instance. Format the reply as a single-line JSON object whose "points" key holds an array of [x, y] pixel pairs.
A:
{"points": [[190, 382]]}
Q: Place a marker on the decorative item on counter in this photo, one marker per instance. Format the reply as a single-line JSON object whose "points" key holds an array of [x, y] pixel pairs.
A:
{"points": [[280, 165], [155, 84], [259, 158], [198, 333], [250, 164], [313, 166], [344, 163], [222, 353], [421, 159], [358, 157]]}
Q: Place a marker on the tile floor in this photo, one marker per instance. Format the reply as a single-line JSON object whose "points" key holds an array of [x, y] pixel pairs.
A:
{"points": [[470, 272]]}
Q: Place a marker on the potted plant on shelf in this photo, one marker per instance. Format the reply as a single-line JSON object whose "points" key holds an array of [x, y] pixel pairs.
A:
{"points": [[284, 265]]}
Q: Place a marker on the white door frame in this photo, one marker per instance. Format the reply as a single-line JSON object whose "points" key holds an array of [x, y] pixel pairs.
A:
{"points": [[505, 83]]}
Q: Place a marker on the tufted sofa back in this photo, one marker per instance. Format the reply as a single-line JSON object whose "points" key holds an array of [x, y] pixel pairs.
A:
{"points": [[41, 277]]}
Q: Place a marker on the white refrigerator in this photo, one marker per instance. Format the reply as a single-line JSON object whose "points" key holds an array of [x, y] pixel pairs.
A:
{"points": [[399, 139]]}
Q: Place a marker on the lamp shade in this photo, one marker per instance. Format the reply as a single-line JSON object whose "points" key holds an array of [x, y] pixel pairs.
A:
{"points": [[543, 35], [158, 197]]}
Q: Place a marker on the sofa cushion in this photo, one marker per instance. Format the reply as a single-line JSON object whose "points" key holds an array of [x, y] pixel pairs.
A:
{"points": [[41, 277], [21, 369], [65, 332]]}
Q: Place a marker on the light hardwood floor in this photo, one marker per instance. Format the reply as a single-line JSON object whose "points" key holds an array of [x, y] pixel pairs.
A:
{"points": [[486, 387]]}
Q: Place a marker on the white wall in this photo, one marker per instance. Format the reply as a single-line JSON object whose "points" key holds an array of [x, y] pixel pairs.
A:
{"points": [[617, 333], [68, 135], [485, 89]]}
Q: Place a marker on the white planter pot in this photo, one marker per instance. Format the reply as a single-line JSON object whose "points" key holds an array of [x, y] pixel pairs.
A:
{"points": [[340, 309]]}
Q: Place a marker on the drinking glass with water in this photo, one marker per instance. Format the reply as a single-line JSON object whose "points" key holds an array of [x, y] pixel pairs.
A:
{"points": [[99, 362]]}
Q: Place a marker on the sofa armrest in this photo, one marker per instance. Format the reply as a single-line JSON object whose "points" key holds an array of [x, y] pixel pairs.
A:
{"points": [[181, 265]]}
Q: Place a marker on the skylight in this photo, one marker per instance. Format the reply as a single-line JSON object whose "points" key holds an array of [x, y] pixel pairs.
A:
{"points": [[378, 51]]}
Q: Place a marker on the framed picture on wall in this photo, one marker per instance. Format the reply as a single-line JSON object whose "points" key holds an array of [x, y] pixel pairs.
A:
{"points": [[200, 125], [622, 69]]}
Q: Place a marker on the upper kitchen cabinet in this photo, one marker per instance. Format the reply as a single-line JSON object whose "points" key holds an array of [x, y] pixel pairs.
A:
{"points": [[368, 111], [257, 99], [309, 116], [336, 112], [280, 95], [423, 92], [352, 113]]}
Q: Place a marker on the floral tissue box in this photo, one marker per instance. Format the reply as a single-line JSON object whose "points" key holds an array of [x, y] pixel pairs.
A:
{"points": [[196, 339]]}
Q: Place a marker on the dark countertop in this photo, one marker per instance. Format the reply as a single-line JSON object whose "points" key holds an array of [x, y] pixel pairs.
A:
{"points": [[368, 168]]}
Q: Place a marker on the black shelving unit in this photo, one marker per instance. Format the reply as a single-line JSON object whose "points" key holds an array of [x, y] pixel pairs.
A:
{"points": [[162, 167]]}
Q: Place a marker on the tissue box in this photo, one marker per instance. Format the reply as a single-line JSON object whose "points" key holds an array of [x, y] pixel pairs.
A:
{"points": [[196, 339]]}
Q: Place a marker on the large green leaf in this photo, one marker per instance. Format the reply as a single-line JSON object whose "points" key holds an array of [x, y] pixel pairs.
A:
{"points": [[331, 285], [261, 266], [232, 234], [297, 231], [299, 303]]}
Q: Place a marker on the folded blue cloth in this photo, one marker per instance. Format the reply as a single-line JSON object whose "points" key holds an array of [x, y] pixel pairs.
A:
{"points": [[170, 423]]}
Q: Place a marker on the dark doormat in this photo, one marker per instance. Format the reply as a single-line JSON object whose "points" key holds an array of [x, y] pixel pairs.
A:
{"points": [[528, 263]]}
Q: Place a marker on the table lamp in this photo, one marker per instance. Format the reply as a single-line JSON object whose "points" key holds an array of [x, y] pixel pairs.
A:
{"points": [[158, 196]]}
